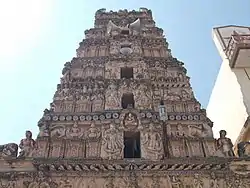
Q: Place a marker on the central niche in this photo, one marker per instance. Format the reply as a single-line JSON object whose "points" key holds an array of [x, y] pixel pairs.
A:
{"points": [[132, 145], [127, 72], [128, 101]]}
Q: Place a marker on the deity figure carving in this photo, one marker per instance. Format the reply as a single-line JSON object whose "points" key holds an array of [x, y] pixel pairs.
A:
{"points": [[112, 101], [224, 145], [8, 150], [58, 131], [197, 181], [93, 132], [130, 121], [27, 145], [176, 182], [84, 104], [112, 143], [152, 143], [74, 131], [214, 183], [185, 95], [97, 102], [143, 99]]}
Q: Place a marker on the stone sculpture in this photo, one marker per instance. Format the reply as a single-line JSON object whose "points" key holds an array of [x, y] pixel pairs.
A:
{"points": [[27, 145], [224, 144], [9, 150]]}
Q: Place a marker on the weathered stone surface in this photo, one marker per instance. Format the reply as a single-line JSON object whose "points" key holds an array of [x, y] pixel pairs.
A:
{"points": [[103, 128]]}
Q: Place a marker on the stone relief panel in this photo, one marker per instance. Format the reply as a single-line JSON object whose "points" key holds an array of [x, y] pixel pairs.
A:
{"points": [[140, 71], [57, 148], [145, 182], [178, 148], [97, 102], [93, 141], [112, 100], [74, 149], [83, 104], [143, 97], [112, 143], [121, 182], [130, 121], [42, 148], [195, 148], [152, 143], [76, 73]]}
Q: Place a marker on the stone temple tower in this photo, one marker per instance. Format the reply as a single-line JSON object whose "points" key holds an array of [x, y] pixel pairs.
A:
{"points": [[124, 116]]}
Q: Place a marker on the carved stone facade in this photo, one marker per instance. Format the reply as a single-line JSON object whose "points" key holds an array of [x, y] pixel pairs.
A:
{"points": [[103, 128]]}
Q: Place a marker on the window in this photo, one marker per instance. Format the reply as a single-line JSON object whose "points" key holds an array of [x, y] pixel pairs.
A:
{"points": [[128, 101], [127, 72], [132, 145], [125, 32]]}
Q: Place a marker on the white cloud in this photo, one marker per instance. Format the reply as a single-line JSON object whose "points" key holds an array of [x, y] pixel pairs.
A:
{"points": [[21, 22]]}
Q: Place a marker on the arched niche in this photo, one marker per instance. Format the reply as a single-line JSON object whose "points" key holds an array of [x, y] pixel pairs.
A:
{"points": [[127, 100]]}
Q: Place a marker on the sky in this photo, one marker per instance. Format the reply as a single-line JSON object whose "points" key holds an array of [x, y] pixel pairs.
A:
{"points": [[38, 36]]}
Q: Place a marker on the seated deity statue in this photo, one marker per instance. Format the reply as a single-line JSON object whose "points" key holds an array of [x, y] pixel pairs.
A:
{"points": [[93, 132], [130, 119], [74, 131], [27, 145]]}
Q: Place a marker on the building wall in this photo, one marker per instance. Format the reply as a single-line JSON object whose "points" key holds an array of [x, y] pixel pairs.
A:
{"points": [[229, 103], [226, 106]]}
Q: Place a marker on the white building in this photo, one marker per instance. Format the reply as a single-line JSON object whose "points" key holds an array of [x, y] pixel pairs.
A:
{"points": [[229, 105]]}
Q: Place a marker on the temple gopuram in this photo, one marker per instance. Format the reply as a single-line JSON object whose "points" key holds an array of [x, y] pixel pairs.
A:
{"points": [[124, 116]]}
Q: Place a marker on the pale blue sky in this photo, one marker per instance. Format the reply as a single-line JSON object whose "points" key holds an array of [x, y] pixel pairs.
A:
{"points": [[38, 37]]}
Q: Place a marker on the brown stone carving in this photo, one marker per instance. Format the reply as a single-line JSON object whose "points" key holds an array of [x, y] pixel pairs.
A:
{"points": [[152, 144], [112, 143], [8, 150], [40, 181], [74, 132], [93, 141], [197, 181], [111, 98], [27, 145], [224, 145]]}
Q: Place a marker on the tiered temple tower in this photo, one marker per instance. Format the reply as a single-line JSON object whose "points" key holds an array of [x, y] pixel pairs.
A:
{"points": [[124, 116]]}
